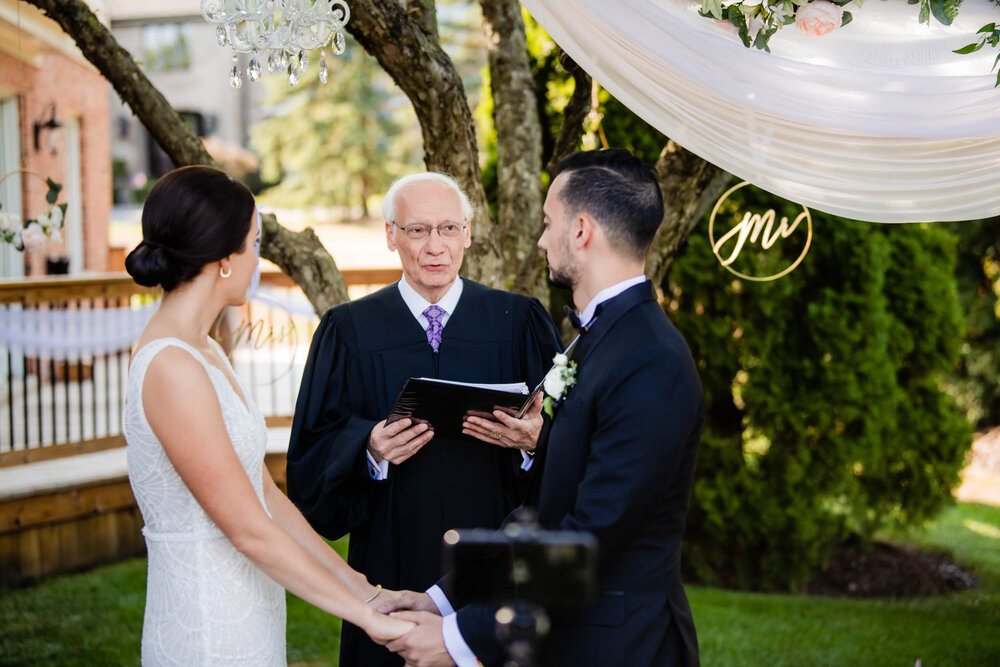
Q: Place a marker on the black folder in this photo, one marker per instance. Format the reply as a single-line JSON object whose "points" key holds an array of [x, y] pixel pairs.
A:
{"points": [[444, 404]]}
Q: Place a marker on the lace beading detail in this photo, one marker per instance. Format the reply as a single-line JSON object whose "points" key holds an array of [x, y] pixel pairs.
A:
{"points": [[206, 603]]}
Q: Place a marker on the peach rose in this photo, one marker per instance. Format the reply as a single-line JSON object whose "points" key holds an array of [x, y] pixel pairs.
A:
{"points": [[819, 17], [33, 237]]}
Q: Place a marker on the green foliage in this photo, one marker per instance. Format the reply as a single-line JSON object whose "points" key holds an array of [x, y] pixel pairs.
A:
{"points": [[339, 143], [826, 414], [976, 380]]}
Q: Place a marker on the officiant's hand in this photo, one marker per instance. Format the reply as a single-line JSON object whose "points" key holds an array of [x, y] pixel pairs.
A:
{"points": [[423, 646], [406, 601], [506, 430], [398, 441]]}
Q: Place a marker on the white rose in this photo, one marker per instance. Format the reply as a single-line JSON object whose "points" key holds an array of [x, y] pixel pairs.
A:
{"points": [[56, 216], [33, 237], [10, 222], [56, 236], [44, 221], [819, 17], [554, 384], [560, 359]]}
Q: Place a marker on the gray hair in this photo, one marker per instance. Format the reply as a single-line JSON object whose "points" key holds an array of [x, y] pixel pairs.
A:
{"points": [[400, 184]]}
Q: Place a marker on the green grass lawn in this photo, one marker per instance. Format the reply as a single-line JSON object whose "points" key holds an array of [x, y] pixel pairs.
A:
{"points": [[96, 618]]}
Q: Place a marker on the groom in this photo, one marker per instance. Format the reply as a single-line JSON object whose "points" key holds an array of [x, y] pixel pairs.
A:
{"points": [[617, 459]]}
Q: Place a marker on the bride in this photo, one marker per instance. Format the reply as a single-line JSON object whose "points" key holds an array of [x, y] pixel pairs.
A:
{"points": [[223, 541]]}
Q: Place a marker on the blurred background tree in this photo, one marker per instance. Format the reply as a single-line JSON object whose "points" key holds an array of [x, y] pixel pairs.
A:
{"points": [[335, 143], [976, 381]]}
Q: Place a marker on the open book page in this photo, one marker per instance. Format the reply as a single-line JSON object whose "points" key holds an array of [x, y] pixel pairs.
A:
{"points": [[511, 387]]}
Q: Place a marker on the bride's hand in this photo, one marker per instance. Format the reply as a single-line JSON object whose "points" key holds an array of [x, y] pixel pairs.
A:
{"points": [[382, 628]]}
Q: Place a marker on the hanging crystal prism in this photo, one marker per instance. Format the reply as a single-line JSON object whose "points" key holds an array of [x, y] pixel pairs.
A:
{"points": [[282, 59], [220, 36], [339, 43], [253, 69], [235, 80], [272, 63], [323, 75], [303, 61], [293, 74]]}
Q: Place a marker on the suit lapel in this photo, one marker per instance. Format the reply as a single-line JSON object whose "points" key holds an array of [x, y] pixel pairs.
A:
{"points": [[608, 313]]}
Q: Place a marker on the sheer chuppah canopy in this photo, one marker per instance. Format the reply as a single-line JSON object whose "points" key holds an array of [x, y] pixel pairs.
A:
{"points": [[877, 120]]}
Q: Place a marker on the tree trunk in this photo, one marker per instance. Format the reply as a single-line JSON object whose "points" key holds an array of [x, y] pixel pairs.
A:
{"points": [[318, 275], [519, 143], [689, 185]]}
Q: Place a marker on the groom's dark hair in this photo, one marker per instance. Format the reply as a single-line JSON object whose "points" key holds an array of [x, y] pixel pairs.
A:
{"points": [[619, 190]]}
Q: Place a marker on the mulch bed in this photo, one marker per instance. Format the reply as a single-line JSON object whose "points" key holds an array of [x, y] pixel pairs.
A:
{"points": [[887, 570]]}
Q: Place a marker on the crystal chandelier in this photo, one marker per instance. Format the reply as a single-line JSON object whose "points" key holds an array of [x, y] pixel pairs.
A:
{"points": [[286, 29]]}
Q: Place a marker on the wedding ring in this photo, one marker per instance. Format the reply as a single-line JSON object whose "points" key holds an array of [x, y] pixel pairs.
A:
{"points": [[496, 436]]}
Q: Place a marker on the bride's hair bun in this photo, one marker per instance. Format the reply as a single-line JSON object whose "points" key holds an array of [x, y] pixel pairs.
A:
{"points": [[150, 266], [193, 216]]}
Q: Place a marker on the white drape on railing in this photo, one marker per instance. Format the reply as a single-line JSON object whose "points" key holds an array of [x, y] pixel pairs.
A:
{"points": [[72, 333], [877, 120]]}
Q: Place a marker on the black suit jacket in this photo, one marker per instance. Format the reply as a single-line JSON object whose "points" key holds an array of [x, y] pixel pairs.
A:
{"points": [[618, 461]]}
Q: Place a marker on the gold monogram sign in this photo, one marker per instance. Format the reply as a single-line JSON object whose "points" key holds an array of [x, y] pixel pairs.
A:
{"points": [[751, 228]]}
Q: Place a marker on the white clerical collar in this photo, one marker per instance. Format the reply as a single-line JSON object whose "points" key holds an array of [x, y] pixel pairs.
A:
{"points": [[418, 304], [607, 293]]}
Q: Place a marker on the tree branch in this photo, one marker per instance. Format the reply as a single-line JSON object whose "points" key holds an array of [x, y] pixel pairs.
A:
{"points": [[689, 185], [319, 279], [574, 114], [425, 13]]}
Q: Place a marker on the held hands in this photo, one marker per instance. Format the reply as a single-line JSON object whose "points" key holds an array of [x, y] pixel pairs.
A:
{"points": [[506, 430], [398, 441], [423, 646]]}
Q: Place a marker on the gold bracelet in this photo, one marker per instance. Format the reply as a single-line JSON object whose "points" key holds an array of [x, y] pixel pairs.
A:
{"points": [[378, 589]]}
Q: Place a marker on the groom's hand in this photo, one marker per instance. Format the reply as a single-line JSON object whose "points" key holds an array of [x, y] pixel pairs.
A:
{"points": [[423, 646], [406, 601], [506, 430], [398, 441]]}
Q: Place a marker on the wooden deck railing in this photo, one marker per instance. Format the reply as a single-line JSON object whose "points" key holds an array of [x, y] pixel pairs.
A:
{"points": [[56, 403]]}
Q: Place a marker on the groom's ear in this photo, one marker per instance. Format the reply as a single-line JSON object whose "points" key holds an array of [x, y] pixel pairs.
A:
{"points": [[582, 230]]}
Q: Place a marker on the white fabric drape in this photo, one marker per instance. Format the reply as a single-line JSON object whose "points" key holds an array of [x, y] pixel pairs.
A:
{"points": [[877, 120], [72, 334]]}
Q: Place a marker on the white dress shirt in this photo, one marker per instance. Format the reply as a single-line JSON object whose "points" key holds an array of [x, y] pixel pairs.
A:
{"points": [[453, 640]]}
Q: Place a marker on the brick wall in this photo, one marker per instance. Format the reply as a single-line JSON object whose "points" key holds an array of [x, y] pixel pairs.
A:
{"points": [[78, 92]]}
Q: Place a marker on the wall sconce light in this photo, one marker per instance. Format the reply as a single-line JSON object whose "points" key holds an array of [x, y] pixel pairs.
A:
{"points": [[51, 124]]}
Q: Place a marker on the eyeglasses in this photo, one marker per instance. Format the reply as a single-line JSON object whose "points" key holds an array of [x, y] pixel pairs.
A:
{"points": [[419, 230]]}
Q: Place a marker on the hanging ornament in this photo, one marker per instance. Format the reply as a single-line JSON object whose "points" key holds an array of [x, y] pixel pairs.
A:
{"points": [[253, 69], [323, 75]]}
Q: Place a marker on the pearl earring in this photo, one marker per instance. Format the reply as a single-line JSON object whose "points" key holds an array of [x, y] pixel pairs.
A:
{"points": [[225, 272]]}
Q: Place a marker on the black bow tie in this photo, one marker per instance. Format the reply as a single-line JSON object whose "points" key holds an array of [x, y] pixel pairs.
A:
{"points": [[574, 319]]}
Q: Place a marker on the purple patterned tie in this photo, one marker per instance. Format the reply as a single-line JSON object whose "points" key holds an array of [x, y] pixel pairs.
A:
{"points": [[434, 315]]}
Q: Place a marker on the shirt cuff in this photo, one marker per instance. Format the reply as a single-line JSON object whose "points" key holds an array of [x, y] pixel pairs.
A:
{"points": [[440, 600], [378, 470], [527, 460], [455, 644]]}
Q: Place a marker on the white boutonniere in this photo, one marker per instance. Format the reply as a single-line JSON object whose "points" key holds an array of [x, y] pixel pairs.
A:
{"points": [[557, 382]]}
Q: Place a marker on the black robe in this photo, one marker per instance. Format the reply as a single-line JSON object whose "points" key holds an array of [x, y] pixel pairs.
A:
{"points": [[362, 353]]}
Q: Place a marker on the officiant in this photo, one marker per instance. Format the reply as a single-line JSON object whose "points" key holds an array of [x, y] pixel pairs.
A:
{"points": [[396, 488]]}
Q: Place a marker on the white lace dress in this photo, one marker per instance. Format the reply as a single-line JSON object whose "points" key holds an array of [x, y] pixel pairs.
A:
{"points": [[206, 603]]}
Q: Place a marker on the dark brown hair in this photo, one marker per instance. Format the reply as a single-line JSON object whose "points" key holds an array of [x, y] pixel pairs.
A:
{"points": [[193, 216]]}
